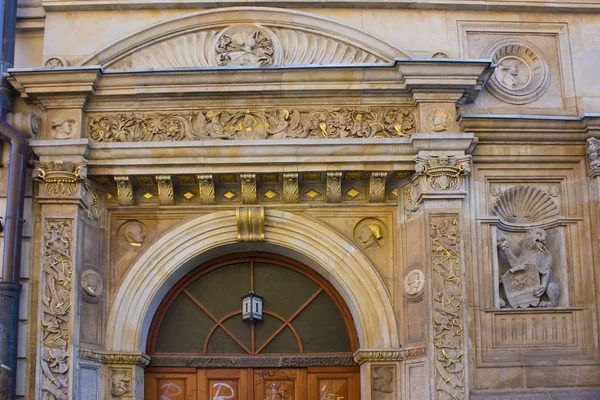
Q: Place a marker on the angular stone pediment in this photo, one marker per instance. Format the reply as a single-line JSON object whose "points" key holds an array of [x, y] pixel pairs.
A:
{"points": [[245, 37]]}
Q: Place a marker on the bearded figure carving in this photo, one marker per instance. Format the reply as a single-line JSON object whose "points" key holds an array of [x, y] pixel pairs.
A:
{"points": [[528, 282]]}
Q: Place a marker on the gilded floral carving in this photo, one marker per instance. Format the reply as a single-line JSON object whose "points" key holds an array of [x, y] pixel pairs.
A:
{"points": [[56, 308], [448, 318], [252, 124]]}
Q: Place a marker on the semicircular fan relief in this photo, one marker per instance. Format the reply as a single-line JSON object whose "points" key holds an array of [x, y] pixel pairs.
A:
{"points": [[525, 205]]}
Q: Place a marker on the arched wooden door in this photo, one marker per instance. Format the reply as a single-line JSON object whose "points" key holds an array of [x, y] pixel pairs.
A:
{"points": [[301, 349]]}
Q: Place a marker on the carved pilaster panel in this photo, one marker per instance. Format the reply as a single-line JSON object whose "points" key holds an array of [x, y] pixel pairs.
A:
{"points": [[206, 189], [251, 224], [248, 188], [448, 319], [291, 192], [56, 301], [124, 190], [60, 179], [377, 187], [166, 195], [383, 382], [593, 155], [334, 187]]}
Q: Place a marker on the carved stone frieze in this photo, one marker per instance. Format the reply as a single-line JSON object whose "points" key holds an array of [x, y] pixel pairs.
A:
{"points": [[525, 204], [528, 279], [166, 195], [250, 224], [593, 155], [281, 123], [249, 195], [291, 191], [57, 267], [59, 178], [140, 359], [124, 190], [522, 75], [334, 187], [443, 173], [388, 355], [448, 320], [206, 189], [377, 187]]}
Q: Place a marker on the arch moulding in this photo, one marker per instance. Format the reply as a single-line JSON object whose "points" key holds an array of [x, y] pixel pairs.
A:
{"points": [[348, 270], [297, 38]]}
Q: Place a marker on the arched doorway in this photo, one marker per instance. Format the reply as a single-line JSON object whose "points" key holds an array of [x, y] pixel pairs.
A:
{"points": [[301, 349]]}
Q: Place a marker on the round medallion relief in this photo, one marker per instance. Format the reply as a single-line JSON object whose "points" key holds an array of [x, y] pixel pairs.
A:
{"points": [[437, 120], [247, 46], [521, 75], [414, 283], [370, 233], [92, 285]]}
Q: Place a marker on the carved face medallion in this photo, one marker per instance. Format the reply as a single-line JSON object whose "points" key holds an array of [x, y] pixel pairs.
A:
{"points": [[370, 233], [521, 75], [92, 285], [414, 283], [437, 120]]}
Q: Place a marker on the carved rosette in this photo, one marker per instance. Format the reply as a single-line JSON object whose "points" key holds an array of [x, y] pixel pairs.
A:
{"points": [[381, 122], [522, 76], [443, 173], [448, 320], [57, 266]]}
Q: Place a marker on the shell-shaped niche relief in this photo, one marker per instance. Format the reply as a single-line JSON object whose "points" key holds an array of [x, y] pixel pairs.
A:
{"points": [[525, 205]]}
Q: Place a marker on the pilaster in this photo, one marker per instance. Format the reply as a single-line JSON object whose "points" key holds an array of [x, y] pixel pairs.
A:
{"points": [[71, 279], [434, 206]]}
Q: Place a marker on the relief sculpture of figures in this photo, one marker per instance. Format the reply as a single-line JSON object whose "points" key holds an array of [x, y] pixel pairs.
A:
{"points": [[528, 282]]}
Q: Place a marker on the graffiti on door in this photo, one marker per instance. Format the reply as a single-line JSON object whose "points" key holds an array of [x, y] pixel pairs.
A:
{"points": [[169, 391], [227, 395]]}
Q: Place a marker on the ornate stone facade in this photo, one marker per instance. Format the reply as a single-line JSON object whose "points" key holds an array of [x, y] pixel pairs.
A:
{"points": [[439, 168]]}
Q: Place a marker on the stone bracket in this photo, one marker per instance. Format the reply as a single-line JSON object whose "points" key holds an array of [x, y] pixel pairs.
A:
{"points": [[206, 189], [166, 195], [249, 195], [124, 190], [291, 191], [250, 224], [334, 187]]}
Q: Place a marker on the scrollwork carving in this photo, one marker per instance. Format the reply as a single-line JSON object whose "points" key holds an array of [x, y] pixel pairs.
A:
{"points": [[206, 189], [291, 192], [593, 155], [377, 187], [448, 317], [252, 124], [57, 265], [334, 187], [124, 190], [249, 194], [367, 355], [166, 194]]}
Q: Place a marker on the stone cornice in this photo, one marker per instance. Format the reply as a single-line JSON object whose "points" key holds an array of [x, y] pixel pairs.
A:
{"points": [[450, 80], [531, 128], [140, 359], [220, 156], [569, 6], [388, 355]]}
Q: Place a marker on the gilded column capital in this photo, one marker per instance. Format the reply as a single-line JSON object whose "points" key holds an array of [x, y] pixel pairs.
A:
{"points": [[441, 176], [59, 179]]}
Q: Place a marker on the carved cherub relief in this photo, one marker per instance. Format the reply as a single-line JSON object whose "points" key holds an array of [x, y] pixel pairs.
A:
{"points": [[528, 282]]}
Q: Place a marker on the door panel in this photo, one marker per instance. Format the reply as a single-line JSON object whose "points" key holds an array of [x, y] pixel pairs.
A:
{"points": [[279, 384], [179, 385], [322, 383], [331, 384], [223, 384]]}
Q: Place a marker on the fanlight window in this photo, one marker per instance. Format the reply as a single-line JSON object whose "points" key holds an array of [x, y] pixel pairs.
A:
{"points": [[302, 313]]}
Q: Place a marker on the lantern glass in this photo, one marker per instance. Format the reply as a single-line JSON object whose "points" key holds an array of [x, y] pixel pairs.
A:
{"points": [[252, 307]]}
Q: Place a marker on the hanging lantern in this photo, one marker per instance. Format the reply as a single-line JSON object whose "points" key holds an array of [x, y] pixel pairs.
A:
{"points": [[252, 307]]}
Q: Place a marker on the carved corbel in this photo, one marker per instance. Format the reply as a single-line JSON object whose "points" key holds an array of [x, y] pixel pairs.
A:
{"points": [[290, 188], [377, 187], [593, 155], [250, 224], [206, 189], [59, 178], [124, 190], [248, 188], [166, 196], [334, 187]]}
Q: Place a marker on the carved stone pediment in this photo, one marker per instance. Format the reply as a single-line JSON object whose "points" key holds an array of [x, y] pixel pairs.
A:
{"points": [[245, 37]]}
